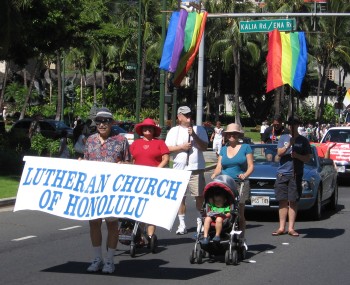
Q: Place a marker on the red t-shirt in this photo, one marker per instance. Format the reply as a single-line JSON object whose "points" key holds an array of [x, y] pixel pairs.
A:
{"points": [[148, 153]]}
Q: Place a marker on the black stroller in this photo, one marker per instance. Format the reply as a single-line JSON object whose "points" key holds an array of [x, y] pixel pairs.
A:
{"points": [[130, 233], [230, 244]]}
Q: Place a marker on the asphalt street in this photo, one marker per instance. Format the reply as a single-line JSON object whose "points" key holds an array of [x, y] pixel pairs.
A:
{"points": [[38, 248]]}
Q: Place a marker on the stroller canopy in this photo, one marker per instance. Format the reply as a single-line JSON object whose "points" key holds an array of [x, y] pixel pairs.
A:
{"points": [[224, 182]]}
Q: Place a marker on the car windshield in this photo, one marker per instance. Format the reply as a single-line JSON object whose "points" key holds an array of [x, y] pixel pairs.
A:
{"points": [[340, 135], [260, 150], [118, 129]]}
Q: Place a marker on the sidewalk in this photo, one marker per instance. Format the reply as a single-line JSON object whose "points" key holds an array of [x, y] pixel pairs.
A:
{"points": [[209, 156]]}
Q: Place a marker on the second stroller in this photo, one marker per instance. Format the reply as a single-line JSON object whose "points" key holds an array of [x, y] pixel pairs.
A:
{"points": [[218, 230]]}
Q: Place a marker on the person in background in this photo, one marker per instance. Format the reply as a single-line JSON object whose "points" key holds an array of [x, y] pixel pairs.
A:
{"points": [[217, 138], [263, 127], [272, 135], [294, 150], [187, 143], [236, 160], [108, 147], [4, 114], [63, 151]]}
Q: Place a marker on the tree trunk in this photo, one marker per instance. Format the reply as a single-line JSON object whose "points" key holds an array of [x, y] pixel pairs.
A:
{"points": [[95, 90], [103, 83], [237, 74], [59, 86], [324, 84], [317, 109], [29, 93]]}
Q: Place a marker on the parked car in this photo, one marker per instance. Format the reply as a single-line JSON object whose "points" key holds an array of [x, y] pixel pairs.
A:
{"points": [[340, 153], [123, 132], [320, 186], [48, 128]]}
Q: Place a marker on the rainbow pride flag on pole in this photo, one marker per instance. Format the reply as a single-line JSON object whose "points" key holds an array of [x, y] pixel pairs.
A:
{"points": [[186, 35], [286, 59], [174, 41]]}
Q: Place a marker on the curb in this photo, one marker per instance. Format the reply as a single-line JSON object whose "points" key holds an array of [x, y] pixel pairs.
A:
{"points": [[11, 201], [7, 202]]}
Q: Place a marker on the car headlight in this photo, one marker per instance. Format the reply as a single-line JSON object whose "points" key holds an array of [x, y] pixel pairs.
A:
{"points": [[305, 185]]}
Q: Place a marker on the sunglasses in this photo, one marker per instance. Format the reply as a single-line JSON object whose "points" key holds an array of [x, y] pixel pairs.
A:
{"points": [[102, 121], [232, 134]]}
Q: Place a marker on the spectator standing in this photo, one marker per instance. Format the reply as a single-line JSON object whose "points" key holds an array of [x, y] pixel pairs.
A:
{"points": [[217, 138], [149, 151], [263, 127], [63, 151], [294, 150], [187, 143], [108, 147]]}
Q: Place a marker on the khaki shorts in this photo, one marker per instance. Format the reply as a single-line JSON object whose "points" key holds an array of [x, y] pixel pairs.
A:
{"points": [[245, 194], [197, 183]]}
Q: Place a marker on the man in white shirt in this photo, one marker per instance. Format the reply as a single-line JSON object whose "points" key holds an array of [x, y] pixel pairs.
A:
{"points": [[186, 144]]}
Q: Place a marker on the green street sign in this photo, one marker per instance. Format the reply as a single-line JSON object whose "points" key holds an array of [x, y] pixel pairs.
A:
{"points": [[266, 25]]}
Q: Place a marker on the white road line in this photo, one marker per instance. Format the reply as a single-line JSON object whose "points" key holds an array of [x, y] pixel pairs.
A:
{"points": [[70, 228], [23, 238], [285, 243]]}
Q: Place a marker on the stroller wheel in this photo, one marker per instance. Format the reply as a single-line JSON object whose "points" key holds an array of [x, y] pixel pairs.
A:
{"points": [[153, 243], [199, 256], [242, 253], [227, 257], [192, 256], [132, 250], [235, 257]]}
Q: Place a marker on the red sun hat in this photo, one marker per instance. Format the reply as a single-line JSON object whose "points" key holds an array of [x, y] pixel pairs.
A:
{"points": [[148, 123]]}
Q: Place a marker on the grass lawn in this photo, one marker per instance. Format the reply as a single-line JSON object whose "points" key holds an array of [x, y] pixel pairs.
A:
{"points": [[9, 186]]}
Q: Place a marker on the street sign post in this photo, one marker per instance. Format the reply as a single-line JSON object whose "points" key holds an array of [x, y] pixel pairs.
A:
{"points": [[267, 25]]}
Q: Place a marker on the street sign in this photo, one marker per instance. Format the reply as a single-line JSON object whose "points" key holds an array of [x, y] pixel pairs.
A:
{"points": [[267, 25]]}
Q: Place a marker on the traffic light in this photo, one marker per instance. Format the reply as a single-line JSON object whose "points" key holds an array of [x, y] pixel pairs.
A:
{"points": [[147, 86]]}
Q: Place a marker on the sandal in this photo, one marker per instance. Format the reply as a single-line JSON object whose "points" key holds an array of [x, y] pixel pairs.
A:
{"points": [[278, 233], [293, 233]]}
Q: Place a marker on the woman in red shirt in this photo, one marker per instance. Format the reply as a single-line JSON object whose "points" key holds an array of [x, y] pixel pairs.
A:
{"points": [[149, 151]]}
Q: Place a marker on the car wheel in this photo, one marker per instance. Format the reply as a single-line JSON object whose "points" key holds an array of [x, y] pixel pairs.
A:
{"points": [[334, 199], [316, 210]]}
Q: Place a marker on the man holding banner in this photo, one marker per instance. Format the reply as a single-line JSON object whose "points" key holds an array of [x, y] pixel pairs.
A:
{"points": [[108, 147]]}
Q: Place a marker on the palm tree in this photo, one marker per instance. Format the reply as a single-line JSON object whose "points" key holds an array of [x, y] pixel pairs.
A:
{"points": [[328, 45], [232, 47]]}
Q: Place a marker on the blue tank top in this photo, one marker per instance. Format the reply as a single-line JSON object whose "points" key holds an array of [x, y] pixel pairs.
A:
{"points": [[237, 164]]}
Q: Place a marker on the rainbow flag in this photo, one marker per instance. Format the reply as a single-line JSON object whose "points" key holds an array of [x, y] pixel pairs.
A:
{"points": [[346, 101], [286, 59], [174, 41], [182, 42], [194, 30]]}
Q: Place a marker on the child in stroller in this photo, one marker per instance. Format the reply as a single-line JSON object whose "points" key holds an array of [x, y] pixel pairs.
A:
{"points": [[220, 233]]}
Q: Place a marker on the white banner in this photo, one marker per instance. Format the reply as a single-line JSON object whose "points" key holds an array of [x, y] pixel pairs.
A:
{"points": [[85, 190]]}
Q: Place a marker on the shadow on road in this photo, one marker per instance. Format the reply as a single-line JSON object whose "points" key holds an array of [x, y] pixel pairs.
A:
{"points": [[151, 269]]}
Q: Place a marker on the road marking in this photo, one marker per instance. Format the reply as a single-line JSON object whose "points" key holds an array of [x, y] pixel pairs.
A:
{"points": [[23, 238], [252, 261], [70, 228], [269, 251], [285, 243]]}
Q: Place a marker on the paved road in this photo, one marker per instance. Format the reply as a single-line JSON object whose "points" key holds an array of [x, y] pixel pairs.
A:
{"points": [[37, 248]]}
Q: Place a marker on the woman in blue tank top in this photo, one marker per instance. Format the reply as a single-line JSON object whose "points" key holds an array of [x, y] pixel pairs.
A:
{"points": [[236, 160]]}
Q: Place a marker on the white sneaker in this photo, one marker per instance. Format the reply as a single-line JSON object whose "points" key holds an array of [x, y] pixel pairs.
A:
{"points": [[96, 265], [108, 267], [181, 230]]}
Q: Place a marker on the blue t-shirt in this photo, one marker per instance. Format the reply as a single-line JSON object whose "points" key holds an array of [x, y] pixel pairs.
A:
{"points": [[237, 164]]}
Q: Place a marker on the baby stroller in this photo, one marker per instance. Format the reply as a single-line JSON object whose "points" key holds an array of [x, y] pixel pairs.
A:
{"points": [[130, 233], [230, 244]]}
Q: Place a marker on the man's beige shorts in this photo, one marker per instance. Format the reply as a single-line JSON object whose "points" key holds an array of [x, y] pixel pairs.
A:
{"points": [[197, 183]]}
